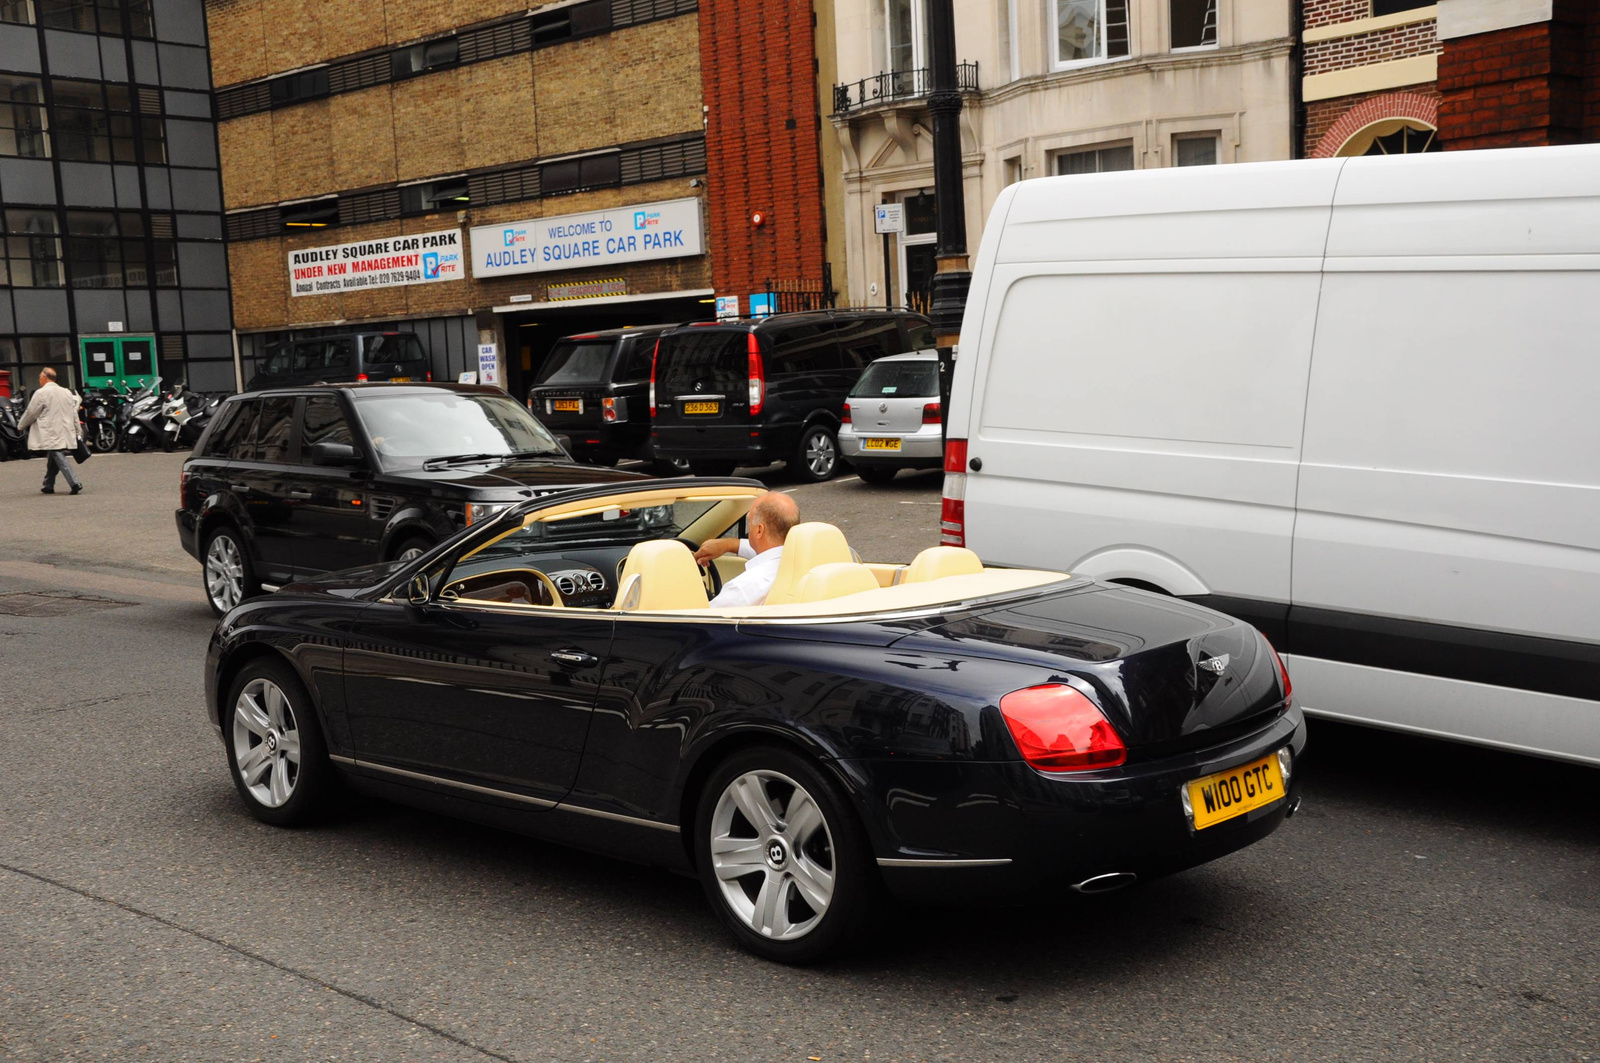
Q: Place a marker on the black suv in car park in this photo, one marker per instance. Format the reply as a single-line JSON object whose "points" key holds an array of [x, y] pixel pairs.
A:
{"points": [[348, 357], [595, 390], [751, 392], [290, 483]]}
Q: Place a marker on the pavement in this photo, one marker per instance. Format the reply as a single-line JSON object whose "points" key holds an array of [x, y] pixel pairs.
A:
{"points": [[1429, 902]]}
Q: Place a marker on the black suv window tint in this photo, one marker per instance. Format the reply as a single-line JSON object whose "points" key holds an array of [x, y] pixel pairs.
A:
{"points": [[308, 355], [395, 347], [575, 362], [919, 335], [272, 437], [339, 355], [903, 379], [323, 423], [641, 353], [241, 441], [703, 361], [217, 442], [808, 348], [278, 359], [863, 342]]}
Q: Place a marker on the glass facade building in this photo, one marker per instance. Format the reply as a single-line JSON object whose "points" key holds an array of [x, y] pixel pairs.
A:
{"points": [[110, 202]]}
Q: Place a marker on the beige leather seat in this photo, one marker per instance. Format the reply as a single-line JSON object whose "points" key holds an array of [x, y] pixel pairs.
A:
{"points": [[937, 562], [660, 574], [835, 581], [804, 548]]}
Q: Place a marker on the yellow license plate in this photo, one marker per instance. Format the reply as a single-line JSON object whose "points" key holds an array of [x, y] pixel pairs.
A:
{"points": [[880, 444], [702, 407], [399, 380], [568, 406], [1220, 797]]}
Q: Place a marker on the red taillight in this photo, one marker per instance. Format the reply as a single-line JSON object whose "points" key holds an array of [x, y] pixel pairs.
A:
{"points": [[1058, 729], [953, 512], [1283, 673], [655, 356], [428, 376], [844, 418], [931, 413], [608, 409], [361, 378], [183, 489], [758, 376]]}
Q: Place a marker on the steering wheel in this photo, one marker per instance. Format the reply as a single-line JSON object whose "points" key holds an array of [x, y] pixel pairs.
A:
{"points": [[708, 573]]}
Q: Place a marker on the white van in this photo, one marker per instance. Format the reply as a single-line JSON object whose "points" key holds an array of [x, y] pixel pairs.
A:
{"points": [[1354, 401]]}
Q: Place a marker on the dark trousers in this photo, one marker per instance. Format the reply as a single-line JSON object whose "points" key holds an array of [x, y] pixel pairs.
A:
{"points": [[59, 460]]}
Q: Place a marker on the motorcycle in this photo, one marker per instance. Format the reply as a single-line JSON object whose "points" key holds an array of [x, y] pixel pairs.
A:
{"points": [[201, 410], [98, 416], [140, 416], [13, 440]]}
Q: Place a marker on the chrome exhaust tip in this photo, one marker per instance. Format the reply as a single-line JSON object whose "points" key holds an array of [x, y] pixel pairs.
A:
{"points": [[1294, 806], [1114, 880]]}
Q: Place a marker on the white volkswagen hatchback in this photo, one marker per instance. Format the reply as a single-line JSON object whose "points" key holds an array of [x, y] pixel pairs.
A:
{"points": [[892, 418]]}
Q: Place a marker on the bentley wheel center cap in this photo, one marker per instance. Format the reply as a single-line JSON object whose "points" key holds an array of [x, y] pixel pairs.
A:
{"points": [[272, 741], [777, 855]]}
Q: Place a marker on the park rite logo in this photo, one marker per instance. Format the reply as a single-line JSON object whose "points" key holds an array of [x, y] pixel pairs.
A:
{"points": [[513, 237], [646, 219]]}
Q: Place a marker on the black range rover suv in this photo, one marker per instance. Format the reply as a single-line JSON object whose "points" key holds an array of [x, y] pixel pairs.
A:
{"points": [[740, 393], [297, 481], [594, 389]]}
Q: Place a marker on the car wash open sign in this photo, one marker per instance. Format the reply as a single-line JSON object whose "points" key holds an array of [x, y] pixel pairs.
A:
{"points": [[416, 258], [669, 229]]}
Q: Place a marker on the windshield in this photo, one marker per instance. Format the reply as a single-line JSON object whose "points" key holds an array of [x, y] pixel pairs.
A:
{"points": [[395, 347], [408, 428], [918, 380], [575, 363], [612, 527]]}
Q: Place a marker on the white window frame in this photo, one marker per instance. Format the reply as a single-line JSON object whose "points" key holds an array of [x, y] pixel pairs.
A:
{"points": [[1084, 149], [920, 60], [1213, 135], [1213, 46], [1057, 63]]}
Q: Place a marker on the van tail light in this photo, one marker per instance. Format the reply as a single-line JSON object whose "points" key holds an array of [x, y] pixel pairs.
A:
{"points": [[931, 414], [655, 356], [758, 376], [1058, 729], [953, 512], [361, 378], [608, 409], [1283, 672], [428, 376], [844, 418]]}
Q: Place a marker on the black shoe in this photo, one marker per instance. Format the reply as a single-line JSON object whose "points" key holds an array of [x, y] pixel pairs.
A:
{"points": [[47, 490], [76, 488]]}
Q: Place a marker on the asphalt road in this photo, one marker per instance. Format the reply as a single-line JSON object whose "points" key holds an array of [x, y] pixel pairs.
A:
{"points": [[1430, 902]]}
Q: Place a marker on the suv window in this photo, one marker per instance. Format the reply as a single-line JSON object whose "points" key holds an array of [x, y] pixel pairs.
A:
{"points": [[395, 347], [640, 356], [323, 423], [920, 335], [278, 359], [808, 348], [308, 355], [864, 342], [272, 436], [240, 442], [221, 426], [339, 354], [579, 362], [715, 360]]}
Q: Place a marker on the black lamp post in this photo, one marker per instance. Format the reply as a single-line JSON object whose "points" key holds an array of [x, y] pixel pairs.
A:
{"points": [[951, 281]]}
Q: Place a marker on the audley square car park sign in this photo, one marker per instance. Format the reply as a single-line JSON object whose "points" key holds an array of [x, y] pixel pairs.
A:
{"points": [[416, 258], [669, 229]]}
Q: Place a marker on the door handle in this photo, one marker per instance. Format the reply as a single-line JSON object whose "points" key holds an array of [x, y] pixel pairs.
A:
{"points": [[300, 494], [575, 658]]}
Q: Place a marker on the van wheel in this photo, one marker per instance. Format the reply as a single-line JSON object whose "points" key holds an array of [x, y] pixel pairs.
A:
{"points": [[817, 457], [712, 468], [876, 474]]}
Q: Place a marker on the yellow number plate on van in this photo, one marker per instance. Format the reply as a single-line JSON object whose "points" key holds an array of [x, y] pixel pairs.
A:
{"points": [[399, 380], [1220, 797], [880, 444], [568, 405], [702, 407]]}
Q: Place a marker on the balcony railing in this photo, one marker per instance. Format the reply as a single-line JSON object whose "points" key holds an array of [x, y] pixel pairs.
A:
{"points": [[897, 85]]}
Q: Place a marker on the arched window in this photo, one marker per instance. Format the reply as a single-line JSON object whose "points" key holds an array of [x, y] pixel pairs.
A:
{"points": [[1392, 136]]}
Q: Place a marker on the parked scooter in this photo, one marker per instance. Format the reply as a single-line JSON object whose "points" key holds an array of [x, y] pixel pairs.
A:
{"points": [[99, 418], [13, 440], [140, 417], [201, 409]]}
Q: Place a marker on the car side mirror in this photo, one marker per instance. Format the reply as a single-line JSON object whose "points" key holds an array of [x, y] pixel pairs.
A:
{"points": [[418, 591], [336, 454]]}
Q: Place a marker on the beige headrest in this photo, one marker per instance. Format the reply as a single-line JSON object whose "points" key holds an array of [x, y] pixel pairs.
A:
{"points": [[668, 578], [835, 581], [806, 546], [937, 562]]}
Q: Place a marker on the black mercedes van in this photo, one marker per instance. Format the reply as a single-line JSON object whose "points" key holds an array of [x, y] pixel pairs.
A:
{"points": [[345, 358], [727, 394]]}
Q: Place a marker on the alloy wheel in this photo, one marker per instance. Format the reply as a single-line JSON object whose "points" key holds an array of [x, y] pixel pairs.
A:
{"points": [[411, 553], [773, 855], [820, 454], [224, 572], [266, 742]]}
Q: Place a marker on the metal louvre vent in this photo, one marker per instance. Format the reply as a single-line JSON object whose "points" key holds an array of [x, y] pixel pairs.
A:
{"points": [[503, 186], [629, 12], [253, 224], [360, 73], [369, 206], [149, 101], [658, 161], [380, 506], [492, 42], [244, 99], [161, 226], [171, 348]]}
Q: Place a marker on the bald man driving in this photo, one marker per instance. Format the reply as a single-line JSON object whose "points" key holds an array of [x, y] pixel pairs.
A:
{"points": [[769, 520]]}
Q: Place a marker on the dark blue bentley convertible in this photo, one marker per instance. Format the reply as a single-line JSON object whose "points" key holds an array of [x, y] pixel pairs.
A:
{"points": [[935, 728]]}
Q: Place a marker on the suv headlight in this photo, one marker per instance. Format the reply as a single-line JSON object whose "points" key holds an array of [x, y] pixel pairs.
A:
{"points": [[478, 512]]}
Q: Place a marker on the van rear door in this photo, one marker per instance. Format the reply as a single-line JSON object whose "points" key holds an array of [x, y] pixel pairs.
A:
{"points": [[395, 356], [702, 384]]}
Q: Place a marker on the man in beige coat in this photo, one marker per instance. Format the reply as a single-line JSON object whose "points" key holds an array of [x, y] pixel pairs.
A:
{"points": [[52, 423]]}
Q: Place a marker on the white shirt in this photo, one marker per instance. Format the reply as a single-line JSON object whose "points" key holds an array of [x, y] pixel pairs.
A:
{"points": [[750, 587]]}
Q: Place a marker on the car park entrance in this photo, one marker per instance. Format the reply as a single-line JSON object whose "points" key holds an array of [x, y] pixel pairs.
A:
{"points": [[531, 333]]}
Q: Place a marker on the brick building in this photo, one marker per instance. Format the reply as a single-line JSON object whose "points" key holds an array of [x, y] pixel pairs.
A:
{"points": [[111, 258], [1390, 76], [576, 166]]}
